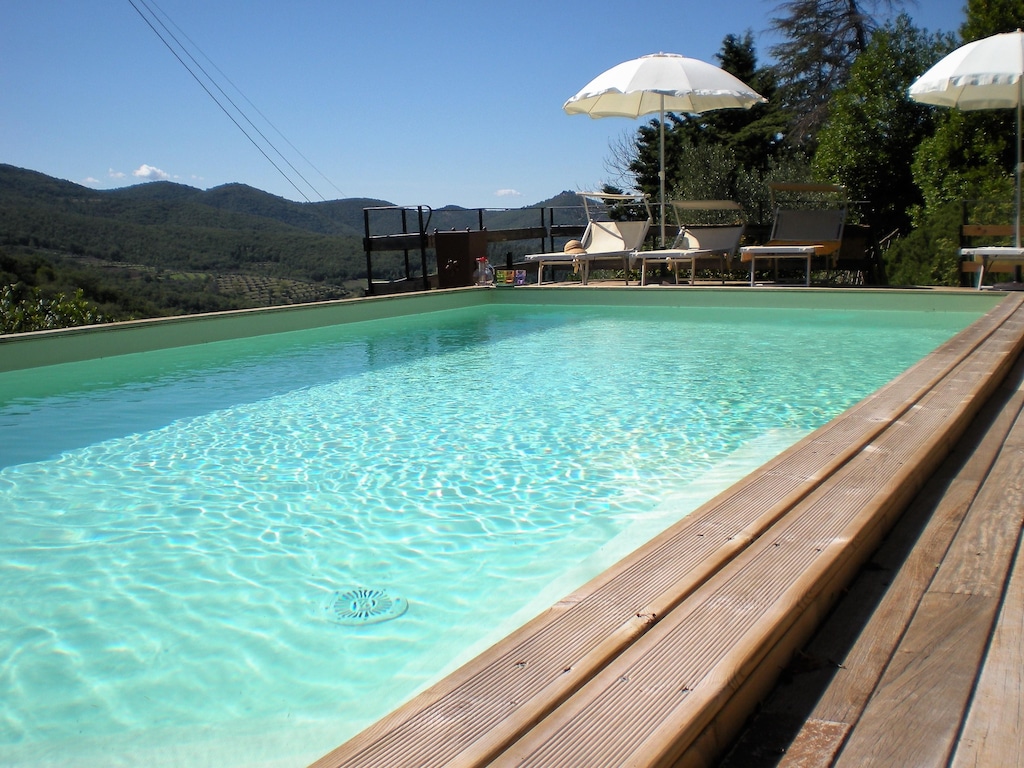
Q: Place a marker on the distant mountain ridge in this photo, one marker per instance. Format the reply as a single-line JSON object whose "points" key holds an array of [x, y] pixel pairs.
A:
{"points": [[167, 248], [165, 202], [227, 206]]}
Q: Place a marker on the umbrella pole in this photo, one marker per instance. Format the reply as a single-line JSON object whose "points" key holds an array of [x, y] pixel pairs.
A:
{"points": [[661, 172], [1016, 222]]}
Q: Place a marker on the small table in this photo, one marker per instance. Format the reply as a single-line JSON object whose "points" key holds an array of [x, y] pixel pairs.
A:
{"points": [[989, 256], [673, 258], [776, 252]]}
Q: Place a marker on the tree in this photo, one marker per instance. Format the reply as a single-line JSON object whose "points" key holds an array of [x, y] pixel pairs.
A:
{"points": [[754, 135], [990, 17], [638, 161], [971, 154], [873, 129], [927, 256], [822, 39], [970, 157]]}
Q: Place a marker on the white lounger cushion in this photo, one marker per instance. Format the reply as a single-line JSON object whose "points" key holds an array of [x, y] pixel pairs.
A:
{"points": [[691, 244], [601, 240]]}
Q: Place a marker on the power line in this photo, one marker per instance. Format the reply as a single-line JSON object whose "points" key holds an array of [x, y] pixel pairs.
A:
{"points": [[248, 101], [223, 93], [175, 51], [215, 99]]}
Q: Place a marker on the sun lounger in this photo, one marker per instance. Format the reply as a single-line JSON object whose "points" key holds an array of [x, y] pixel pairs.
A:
{"points": [[698, 241], [603, 241], [801, 232]]}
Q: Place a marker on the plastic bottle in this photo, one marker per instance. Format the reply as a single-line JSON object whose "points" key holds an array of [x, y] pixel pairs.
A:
{"points": [[484, 274]]}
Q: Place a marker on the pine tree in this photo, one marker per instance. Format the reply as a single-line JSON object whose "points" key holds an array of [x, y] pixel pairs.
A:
{"points": [[822, 39]]}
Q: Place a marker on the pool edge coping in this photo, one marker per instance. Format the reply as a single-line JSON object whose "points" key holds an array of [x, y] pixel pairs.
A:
{"points": [[64, 345], [444, 693]]}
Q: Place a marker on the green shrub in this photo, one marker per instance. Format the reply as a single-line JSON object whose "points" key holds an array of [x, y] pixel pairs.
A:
{"points": [[929, 254], [24, 308]]}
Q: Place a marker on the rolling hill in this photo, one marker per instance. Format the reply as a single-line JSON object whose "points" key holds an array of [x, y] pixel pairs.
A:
{"points": [[164, 248]]}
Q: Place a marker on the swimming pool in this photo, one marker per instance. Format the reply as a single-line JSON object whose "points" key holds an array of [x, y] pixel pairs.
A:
{"points": [[183, 522]]}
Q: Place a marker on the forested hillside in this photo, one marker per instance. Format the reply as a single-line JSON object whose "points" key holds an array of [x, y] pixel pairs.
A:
{"points": [[171, 226], [163, 248]]}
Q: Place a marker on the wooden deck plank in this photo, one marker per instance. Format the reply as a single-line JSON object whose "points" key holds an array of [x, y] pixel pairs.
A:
{"points": [[470, 716], [807, 720], [989, 534], [993, 733], [930, 678], [994, 730], [914, 717], [668, 685]]}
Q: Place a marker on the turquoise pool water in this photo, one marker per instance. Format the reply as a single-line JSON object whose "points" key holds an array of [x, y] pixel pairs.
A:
{"points": [[179, 525]]}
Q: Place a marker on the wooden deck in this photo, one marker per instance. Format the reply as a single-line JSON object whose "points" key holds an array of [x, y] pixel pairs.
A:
{"points": [[921, 663], [660, 660]]}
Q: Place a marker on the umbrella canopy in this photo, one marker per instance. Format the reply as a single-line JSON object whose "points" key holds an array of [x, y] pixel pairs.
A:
{"points": [[985, 74], [658, 83]]}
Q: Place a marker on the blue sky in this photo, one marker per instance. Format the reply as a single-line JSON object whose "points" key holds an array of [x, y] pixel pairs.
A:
{"points": [[431, 103]]}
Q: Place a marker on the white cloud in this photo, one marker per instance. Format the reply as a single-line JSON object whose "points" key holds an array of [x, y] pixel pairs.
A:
{"points": [[507, 193], [149, 172], [90, 180], [116, 174]]}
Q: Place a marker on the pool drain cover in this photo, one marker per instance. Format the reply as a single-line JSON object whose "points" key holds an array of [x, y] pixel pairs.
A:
{"points": [[357, 606]]}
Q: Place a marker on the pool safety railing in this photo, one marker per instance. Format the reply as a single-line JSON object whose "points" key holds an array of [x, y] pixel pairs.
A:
{"points": [[450, 241]]}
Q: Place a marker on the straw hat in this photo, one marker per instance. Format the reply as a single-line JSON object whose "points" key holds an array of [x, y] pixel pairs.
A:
{"points": [[574, 247]]}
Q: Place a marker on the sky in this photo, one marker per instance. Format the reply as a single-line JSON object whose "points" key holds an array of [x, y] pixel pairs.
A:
{"points": [[416, 103]]}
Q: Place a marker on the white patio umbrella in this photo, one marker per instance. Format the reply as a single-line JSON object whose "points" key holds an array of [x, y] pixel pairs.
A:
{"points": [[985, 74], [661, 82]]}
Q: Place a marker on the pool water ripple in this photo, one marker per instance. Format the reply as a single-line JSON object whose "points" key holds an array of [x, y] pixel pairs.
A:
{"points": [[168, 573]]}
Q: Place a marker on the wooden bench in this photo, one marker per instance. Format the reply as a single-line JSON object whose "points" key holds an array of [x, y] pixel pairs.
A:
{"points": [[663, 656]]}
